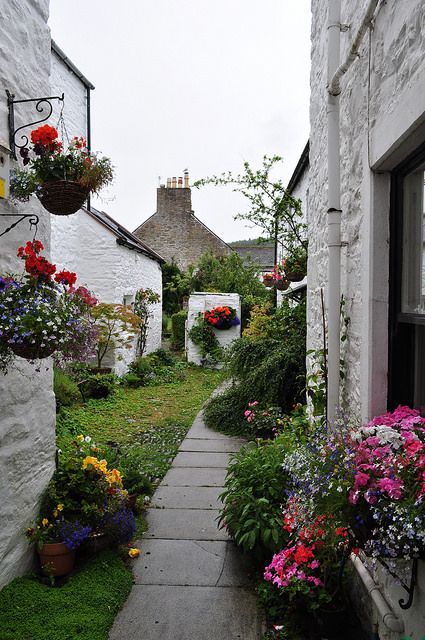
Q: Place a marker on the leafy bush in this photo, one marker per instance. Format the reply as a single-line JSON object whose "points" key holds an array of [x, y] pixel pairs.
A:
{"points": [[253, 494], [101, 385], [178, 326], [142, 368], [132, 381], [270, 369], [66, 390], [163, 357]]}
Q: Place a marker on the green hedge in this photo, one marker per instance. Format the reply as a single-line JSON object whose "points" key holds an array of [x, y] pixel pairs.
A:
{"points": [[178, 325]]}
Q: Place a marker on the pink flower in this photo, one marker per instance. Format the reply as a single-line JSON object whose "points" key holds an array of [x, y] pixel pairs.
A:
{"points": [[360, 480], [392, 487]]}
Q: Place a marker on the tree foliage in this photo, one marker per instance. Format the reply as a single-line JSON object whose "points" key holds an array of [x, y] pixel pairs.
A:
{"points": [[271, 207], [117, 326]]}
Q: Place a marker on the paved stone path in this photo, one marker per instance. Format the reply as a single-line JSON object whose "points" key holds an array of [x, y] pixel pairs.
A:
{"points": [[191, 582]]}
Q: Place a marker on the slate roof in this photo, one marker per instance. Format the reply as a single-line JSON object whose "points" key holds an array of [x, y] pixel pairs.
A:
{"points": [[260, 253], [124, 237]]}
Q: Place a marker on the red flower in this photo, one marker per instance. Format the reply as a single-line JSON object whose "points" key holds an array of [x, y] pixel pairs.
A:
{"points": [[303, 554], [45, 136], [66, 277]]}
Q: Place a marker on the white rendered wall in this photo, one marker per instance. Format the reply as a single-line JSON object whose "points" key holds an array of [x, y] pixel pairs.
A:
{"points": [[200, 302], [63, 80], [382, 121], [27, 422], [81, 244]]}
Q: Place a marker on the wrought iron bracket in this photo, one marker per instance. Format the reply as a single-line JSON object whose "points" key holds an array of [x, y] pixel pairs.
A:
{"points": [[409, 588], [41, 105], [33, 219]]}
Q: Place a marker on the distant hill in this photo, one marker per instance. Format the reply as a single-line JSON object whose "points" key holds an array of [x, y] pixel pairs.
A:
{"points": [[251, 243]]}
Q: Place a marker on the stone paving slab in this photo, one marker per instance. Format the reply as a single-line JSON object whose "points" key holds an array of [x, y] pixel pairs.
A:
{"points": [[218, 446], [195, 477], [188, 613], [201, 459], [191, 563], [187, 497], [199, 430], [184, 524]]}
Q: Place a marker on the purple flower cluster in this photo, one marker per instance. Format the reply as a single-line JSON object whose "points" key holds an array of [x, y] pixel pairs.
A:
{"points": [[120, 525], [72, 534]]}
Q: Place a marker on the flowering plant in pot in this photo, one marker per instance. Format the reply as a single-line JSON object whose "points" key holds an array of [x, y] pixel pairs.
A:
{"points": [[222, 317], [57, 540], [280, 281], [296, 264], [268, 279], [61, 179], [372, 478], [41, 311]]}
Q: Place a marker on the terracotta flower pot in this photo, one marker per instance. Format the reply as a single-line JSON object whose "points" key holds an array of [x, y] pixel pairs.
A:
{"points": [[62, 197], [56, 559]]}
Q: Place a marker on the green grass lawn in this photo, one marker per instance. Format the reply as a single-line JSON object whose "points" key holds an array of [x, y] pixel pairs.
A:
{"points": [[153, 421]]}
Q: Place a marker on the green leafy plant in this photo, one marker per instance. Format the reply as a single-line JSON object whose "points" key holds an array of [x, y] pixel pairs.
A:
{"points": [[253, 494], [99, 385], [202, 334], [144, 300], [296, 262], [117, 326], [65, 389], [178, 329]]}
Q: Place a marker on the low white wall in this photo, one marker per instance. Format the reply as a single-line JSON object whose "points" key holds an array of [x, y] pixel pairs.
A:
{"points": [[201, 302]]}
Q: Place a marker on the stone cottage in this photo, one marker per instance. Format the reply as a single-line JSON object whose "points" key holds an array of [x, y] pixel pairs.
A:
{"points": [[27, 423], [174, 231], [107, 258], [365, 206]]}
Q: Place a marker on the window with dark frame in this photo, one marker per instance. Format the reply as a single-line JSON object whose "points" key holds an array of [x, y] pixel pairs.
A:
{"points": [[407, 284]]}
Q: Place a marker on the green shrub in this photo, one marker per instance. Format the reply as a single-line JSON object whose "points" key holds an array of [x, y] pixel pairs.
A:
{"points": [[142, 368], [178, 326], [66, 390], [101, 385], [254, 491], [225, 412], [132, 381], [163, 357]]}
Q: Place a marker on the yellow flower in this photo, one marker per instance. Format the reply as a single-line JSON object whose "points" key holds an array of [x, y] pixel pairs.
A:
{"points": [[133, 552], [45, 522], [59, 507], [114, 477], [102, 466], [89, 460], [79, 438], [55, 513]]}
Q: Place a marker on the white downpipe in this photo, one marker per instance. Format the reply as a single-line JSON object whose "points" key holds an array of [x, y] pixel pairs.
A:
{"points": [[335, 73], [334, 214], [388, 617]]}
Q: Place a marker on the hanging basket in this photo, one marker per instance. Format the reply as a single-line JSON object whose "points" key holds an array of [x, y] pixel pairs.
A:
{"points": [[268, 282], [62, 197], [30, 351], [282, 285], [295, 276]]}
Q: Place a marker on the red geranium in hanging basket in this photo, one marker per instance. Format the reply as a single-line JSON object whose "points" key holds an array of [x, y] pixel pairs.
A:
{"points": [[222, 317], [62, 180]]}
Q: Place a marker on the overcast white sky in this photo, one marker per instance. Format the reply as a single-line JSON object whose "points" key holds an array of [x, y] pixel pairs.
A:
{"points": [[190, 83]]}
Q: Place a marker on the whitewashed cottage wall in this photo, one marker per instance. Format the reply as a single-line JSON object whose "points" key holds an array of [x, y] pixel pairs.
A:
{"points": [[382, 121], [63, 80], [27, 421], [82, 244]]}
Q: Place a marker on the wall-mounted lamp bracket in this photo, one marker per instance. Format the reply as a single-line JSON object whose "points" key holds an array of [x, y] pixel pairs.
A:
{"points": [[41, 105], [410, 588], [33, 219]]}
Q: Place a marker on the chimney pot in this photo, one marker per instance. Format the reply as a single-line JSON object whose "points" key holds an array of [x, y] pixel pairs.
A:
{"points": [[186, 179], [174, 182], [168, 183], [180, 183]]}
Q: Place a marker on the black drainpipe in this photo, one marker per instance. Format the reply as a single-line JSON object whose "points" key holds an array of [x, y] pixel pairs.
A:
{"points": [[88, 134]]}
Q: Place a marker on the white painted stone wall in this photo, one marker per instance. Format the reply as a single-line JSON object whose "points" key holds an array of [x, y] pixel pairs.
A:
{"points": [[82, 244], [63, 80], [199, 302], [382, 121], [27, 422]]}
